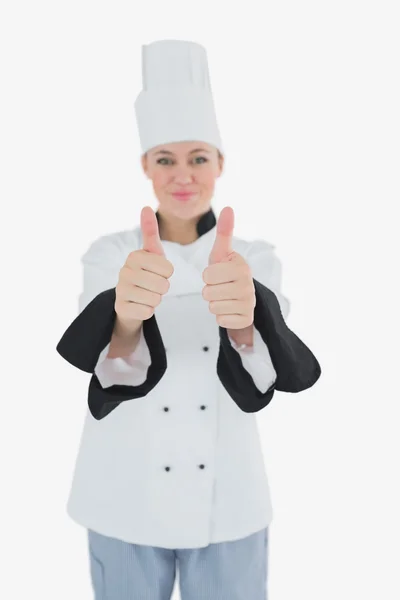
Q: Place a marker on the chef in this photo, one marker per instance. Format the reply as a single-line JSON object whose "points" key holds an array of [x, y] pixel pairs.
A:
{"points": [[170, 458]]}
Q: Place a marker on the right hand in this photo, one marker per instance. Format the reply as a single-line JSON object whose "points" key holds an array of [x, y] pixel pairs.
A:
{"points": [[143, 280]]}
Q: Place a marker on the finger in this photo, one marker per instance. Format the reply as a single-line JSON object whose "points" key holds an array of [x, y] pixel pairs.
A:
{"points": [[130, 311], [139, 296], [232, 321], [154, 263], [226, 291], [224, 272], [222, 247], [150, 231], [145, 279], [229, 307]]}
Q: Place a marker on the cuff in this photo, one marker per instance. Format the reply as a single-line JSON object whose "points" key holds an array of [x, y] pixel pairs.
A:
{"points": [[296, 366], [256, 360], [86, 338], [127, 370]]}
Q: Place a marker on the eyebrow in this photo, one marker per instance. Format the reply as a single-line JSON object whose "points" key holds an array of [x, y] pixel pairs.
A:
{"points": [[191, 152]]}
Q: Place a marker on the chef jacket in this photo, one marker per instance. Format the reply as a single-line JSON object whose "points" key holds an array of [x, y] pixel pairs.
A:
{"points": [[170, 454]]}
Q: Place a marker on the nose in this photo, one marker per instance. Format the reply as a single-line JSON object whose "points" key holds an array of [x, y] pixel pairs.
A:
{"points": [[183, 175]]}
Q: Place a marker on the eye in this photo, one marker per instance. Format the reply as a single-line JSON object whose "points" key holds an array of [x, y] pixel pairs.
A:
{"points": [[202, 158], [169, 161]]}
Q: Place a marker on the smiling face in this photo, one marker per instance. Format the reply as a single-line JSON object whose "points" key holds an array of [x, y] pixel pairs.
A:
{"points": [[183, 175]]}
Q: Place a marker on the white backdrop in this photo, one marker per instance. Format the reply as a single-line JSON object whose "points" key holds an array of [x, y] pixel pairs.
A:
{"points": [[307, 97]]}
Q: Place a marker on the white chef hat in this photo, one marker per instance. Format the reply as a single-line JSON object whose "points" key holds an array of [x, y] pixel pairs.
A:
{"points": [[176, 103]]}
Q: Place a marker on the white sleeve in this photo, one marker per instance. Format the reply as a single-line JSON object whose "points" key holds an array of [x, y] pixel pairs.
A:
{"points": [[101, 265], [129, 370], [257, 361]]}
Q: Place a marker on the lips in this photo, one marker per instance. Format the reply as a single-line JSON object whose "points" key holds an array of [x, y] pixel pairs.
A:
{"points": [[183, 195]]}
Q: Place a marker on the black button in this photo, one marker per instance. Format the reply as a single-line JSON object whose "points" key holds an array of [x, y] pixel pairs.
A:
{"points": [[203, 407], [205, 348], [167, 468], [166, 408], [201, 466]]}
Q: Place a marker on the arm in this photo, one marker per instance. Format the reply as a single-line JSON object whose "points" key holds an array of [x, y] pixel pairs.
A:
{"points": [[295, 366], [86, 341], [124, 363], [256, 359]]}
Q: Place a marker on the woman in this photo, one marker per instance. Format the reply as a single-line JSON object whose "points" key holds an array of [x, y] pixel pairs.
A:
{"points": [[182, 327]]}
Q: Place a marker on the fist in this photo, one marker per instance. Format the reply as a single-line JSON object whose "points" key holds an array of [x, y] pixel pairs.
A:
{"points": [[229, 284], [143, 280]]}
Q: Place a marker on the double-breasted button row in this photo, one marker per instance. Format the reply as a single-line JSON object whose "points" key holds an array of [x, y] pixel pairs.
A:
{"points": [[200, 467], [202, 407]]}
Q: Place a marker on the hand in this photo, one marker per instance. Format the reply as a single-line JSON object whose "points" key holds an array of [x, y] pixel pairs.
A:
{"points": [[143, 280], [230, 288]]}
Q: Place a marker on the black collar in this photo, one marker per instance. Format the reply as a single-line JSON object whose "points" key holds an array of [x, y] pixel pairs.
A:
{"points": [[206, 222]]}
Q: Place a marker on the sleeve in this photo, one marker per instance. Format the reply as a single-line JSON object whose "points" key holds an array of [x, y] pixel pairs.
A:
{"points": [[129, 370], [257, 361], [296, 368], [85, 342]]}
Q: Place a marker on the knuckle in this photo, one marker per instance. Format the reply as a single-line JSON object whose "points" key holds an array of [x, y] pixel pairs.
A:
{"points": [[132, 257], [221, 320], [246, 270], [119, 290], [163, 285], [246, 289], [170, 269], [157, 300], [148, 312], [127, 274], [206, 275], [167, 285], [250, 289]]}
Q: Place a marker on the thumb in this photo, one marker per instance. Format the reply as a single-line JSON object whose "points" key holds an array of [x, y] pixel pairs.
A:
{"points": [[150, 232], [223, 242]]}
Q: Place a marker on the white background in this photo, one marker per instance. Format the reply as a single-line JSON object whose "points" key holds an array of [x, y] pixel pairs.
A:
{"points": [[307, 100]]}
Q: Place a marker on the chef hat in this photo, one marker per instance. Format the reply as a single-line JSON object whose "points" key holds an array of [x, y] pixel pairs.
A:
{"points": [[176, 103]]}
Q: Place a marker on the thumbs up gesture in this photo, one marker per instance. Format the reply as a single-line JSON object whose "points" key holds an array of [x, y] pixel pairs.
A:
{"points": [[143, 280], [229, 284]]}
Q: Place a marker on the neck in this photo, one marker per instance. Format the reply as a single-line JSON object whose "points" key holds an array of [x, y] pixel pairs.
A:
{"points": [[177, 230]]}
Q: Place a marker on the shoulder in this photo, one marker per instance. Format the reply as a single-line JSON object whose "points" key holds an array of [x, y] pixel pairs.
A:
{"points": [[266, 268], [112, 247], [250, 249]]}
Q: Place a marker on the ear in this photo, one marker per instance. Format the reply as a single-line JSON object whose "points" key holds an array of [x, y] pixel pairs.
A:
{"points": [[144, 163], [221, 163]]}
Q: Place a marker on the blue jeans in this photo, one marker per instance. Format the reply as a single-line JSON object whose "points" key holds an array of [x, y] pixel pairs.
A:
{"points": [[235, 570]]}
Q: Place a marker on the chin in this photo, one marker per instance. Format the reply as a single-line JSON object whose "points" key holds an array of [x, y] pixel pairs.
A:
{"points": [[186, 210]]}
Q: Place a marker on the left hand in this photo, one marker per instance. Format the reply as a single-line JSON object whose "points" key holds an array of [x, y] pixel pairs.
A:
{"points": [[229, 284]]}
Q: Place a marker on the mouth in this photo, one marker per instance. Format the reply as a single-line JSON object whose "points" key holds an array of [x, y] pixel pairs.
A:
{"points": [[183, 195]]}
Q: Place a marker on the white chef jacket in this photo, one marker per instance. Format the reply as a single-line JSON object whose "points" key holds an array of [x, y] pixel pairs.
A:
{"points": [[182, 466], [132, 370]]}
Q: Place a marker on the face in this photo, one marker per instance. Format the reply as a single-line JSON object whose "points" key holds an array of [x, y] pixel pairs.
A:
{"points": [[183, 175]]}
